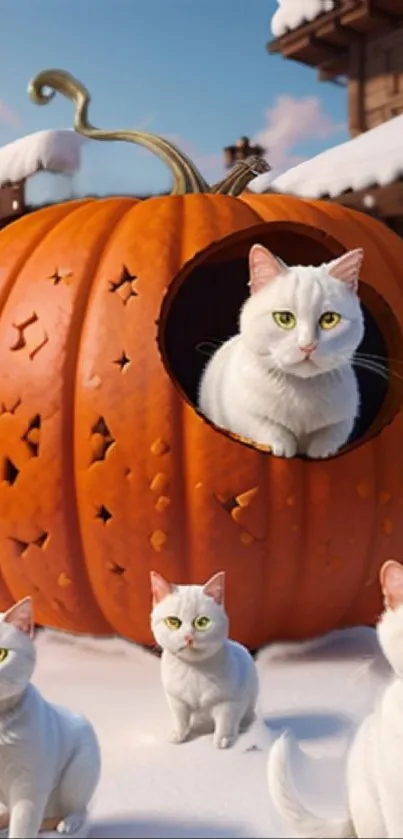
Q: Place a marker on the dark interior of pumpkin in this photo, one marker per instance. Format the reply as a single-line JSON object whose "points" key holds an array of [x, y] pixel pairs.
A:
{"points": [[202, 307]]}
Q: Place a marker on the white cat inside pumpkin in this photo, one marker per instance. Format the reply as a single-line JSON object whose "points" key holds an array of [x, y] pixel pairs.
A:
{"points": [[286, 380]]}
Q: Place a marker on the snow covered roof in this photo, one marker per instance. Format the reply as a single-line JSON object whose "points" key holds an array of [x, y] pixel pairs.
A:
{"points": [[292, 13], [372, 158], [51, 150]]}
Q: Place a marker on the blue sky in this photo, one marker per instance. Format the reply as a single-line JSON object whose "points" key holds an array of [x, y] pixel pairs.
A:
{"points": [[195, 70]]}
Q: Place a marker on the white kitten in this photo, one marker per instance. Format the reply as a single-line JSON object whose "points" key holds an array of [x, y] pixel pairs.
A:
{"points": [[286, 380], [375, 761], [206, 677], [49, 756]]}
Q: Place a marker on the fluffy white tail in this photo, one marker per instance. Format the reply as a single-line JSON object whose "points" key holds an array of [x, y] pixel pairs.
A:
{"points": [[301, 821]]}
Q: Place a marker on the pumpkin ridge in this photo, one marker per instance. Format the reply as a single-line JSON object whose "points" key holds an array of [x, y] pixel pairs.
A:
{"points": [[62, 211], [305, 477], [370, 558], [69, 396], [265, 487], [300, 559], [380, 242]]}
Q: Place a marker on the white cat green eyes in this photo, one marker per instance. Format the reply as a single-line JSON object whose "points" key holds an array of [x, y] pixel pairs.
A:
{"points": [[329, 320], [172, 623], [287, 320], [200, 623], [3, 655]]}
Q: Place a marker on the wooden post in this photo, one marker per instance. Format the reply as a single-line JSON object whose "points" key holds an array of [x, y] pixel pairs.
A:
{"points": [[356, 89]]}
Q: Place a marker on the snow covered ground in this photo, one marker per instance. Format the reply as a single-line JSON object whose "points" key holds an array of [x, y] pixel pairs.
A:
{"points": [[150, 788]]}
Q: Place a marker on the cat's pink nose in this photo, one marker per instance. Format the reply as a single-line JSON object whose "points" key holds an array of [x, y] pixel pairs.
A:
{"points": [[188, 640], [308, 348]]}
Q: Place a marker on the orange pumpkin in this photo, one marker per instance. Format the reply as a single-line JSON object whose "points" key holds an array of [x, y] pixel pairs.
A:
{"points": [[108, 470]]}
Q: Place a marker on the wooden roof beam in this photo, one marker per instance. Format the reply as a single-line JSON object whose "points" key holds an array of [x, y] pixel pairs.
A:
{"points": [[334, 78], [339, 27], [339, 35], [321, 48], [380, 201], [281, 43], [370, 12], [332, 69], [333, 61]]}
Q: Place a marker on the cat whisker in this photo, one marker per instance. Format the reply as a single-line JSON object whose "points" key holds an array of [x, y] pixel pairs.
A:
{"points": [[357, 359], [374, 367], [380, 358]]}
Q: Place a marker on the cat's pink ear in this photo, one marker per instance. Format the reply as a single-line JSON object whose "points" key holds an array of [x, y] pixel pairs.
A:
{"points": [[347, 268], [160, 588], [391, 580], [215, 587], [263, 268], [21, 616]]}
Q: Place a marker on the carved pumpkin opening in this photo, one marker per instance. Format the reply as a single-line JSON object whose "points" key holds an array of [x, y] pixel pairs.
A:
{"points": [[201, 308]]}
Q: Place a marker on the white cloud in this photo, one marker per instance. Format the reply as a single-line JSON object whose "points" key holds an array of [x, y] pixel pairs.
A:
{"points": [[8, 116], [290, 122]]}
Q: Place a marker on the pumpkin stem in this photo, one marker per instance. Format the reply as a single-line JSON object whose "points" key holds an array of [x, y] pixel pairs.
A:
{"points": [[186, 177], [242, 173]]}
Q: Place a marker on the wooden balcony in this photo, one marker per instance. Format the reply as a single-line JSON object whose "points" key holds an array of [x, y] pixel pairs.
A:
{"points": [[325, 41]]}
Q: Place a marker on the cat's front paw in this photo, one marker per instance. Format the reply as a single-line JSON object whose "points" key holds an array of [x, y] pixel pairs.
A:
{"points": [[283, 445], [320, 449], [177, 736], [224, 742], [72, 825]]}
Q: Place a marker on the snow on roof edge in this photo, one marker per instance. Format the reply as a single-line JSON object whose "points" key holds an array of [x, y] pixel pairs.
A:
{"points": [[372, 158], [51, 150], [293, 13]]}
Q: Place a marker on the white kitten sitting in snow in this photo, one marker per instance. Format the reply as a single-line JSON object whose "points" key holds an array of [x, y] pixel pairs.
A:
{"points": [[286, 380], [49, 756], [206, 677], [375, 762]]}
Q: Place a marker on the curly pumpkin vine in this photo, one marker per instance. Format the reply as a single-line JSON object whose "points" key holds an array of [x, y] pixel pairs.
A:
{"points": [[186, 177]]}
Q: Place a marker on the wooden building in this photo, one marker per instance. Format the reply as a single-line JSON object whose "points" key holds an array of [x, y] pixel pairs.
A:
{"points": [[12, 202], [358, 44]]}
